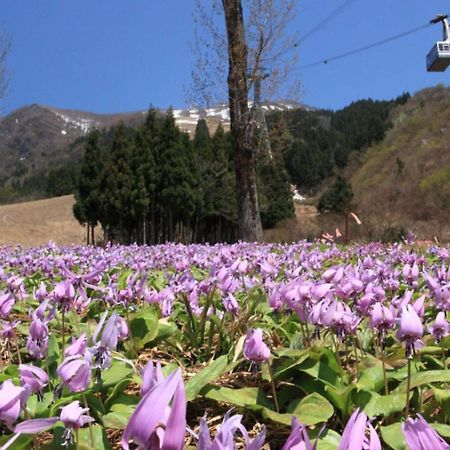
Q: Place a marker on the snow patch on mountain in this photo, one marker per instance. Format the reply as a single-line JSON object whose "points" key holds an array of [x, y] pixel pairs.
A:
{"points": [[80, 122]]}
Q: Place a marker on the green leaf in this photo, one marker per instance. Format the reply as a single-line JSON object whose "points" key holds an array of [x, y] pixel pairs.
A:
{"points": [[287, 366], [116, 373], [393, 436], [22, 443], [442, 429], [84, 435], [208, 374], [329, 439], [442, 396], [116, 420], [371, 378], [119, 416], [37, 408], [53, 354], [340, 398], [311, 409], [427, 377], [118, 389], [374, 404], [250, 397], [322, 372], [284, 419], [165, 330], [99, 436], [144, 328]]}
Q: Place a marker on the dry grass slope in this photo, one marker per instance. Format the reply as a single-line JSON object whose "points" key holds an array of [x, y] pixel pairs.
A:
{"points": [[404, 181], [38, 222]]}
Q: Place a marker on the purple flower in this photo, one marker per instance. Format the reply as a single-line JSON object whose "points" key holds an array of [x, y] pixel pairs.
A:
{"points": [[254, 348], [32, 378], [7, 329], [299, 439], [151, 376], [37, 348], [420, 436], [77, 347], [381, 318], [100, 354], [225, 436], [410, 329], [75, 373], [354, 436], [72, 416], [38, 329], [12, 400], [64, 294], [37, 342], [230, 304], [41, 292], [6, 305], [440, 327], [156, 425]]}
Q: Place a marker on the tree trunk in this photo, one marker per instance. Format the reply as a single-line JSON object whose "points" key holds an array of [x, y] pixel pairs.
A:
{"points": [[249, 221]]}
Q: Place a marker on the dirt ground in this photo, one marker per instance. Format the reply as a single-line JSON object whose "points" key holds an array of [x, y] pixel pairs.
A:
{"points": [[39, 222], [36, 223]]}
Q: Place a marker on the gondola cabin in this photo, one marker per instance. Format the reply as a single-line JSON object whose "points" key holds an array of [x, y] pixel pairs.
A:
{"points": [[438, 59]]}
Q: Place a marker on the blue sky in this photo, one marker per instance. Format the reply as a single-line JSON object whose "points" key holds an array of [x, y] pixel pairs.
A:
{"points": [[117, 55]]}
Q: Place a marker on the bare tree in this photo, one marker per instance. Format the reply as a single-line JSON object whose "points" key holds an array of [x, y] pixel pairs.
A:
{"points": [[249, 221], [272, 49], [260, 55]]}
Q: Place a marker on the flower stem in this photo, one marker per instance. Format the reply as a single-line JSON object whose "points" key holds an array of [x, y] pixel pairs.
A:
{"points": [[18, 349], [356, 357], [274, 391], [408, 388], [63, 326], [383, 362], [127, 316], [91, 430], [338, 357]]}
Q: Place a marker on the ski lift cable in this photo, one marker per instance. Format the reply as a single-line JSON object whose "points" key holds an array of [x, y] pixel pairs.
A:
{"points": [[366, 47], [331, 16]]}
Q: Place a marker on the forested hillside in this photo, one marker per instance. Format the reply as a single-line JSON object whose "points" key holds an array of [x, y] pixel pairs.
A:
{"points": [[152, 184], [317, 144], [387, 160], [404, 181]]}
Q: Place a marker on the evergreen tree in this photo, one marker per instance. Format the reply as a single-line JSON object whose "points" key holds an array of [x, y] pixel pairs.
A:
{"points": [[116, 187], [202, 148], [177, 182], [224, 189], [338, 198], [274, 185], [87, 197]]}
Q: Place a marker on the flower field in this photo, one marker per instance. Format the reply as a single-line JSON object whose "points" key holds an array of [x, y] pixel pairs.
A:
{"points": [[302, 346]]}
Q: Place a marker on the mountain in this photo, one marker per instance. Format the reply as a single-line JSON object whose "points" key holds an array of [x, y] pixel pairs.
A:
{"points": [[35, 138], [403, 182]]}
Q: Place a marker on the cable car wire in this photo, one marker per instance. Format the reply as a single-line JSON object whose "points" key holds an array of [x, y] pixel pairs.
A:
{"points": [[331, 16], [366, 47]]}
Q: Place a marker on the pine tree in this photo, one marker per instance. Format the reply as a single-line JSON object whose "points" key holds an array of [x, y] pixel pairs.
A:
{"points": [[338, 198], [87, 200], [202, 148], [177, 183], [116, 186], [224, 191]]}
